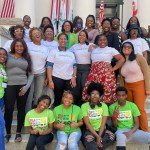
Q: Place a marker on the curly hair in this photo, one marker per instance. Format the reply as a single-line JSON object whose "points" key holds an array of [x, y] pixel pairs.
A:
{"points": [[31, 30], [13, 28], [95, 86]]}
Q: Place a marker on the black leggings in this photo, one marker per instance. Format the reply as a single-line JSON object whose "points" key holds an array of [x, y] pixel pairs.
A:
{"points": [[59, 86], [39, 140], [12, 95]]}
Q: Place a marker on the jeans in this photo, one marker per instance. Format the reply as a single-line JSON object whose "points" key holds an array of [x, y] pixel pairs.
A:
{"points": [[39, 140], [138, 136], [90, 141], [65, 139], [36, 90], [2, 126], [12, 95]]}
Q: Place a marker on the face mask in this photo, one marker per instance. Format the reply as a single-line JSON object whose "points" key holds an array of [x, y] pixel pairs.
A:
{"points": [[79, 24]]}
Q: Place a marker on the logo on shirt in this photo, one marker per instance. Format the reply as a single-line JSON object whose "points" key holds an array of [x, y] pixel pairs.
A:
{"points": [[95, 114], [38, 122], [125, 115]]}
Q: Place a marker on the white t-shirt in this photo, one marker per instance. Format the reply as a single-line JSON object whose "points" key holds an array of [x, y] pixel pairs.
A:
{"points": [[50, 45], [39, 54], [26, 35], [63, 62], [140, 45], [83, 56], [103, 54], [7, 45]]}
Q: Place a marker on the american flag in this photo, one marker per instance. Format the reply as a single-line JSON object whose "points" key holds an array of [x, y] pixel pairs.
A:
{"points": [[101, 12], [8, 9], [135, 7]]}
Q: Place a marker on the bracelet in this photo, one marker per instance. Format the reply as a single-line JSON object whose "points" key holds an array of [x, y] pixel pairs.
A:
{"points": [[74, 76], [114, 117], [50, 81]]}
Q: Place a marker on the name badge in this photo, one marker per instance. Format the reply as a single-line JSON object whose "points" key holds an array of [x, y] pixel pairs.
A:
{"points": [[4, 85]]}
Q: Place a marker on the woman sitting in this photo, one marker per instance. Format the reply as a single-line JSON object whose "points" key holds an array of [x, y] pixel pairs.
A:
{"points": [[68, 119], [39, 122], [95, 116]]}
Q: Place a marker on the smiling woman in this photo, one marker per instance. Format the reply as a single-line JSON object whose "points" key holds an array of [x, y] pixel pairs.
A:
{"points": [[38, 53], [19, 72], [68, 119], [39, 122]]}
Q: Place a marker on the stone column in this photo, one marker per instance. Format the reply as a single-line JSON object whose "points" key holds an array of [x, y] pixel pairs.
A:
{"points": [[25, 7], [83, 8], [143, 14]]}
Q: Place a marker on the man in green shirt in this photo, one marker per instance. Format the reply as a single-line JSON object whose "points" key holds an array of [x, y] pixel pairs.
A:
{"points": [[125, 116]]}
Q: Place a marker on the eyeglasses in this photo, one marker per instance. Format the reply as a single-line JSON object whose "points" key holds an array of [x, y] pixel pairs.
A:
{"points": [[127, 46], [95, 94], [60, 39], [19, 30], [36, 33]]}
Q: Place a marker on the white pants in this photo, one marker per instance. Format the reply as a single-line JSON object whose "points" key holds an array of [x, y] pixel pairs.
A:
{"points": [[138, 136]]}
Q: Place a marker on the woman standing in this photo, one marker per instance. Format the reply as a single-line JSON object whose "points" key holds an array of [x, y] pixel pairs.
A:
{"points": [[140, 45], [101, 70], [16, 32], [39, 122], [68, 120], [39, 54], [142, 30], [136, 75], [61, 69], [90, 28], [18, 69], [45, 21], [77, 25], [3, 81], [95, 114], [48, 40], [67, 28], [83, 60]]}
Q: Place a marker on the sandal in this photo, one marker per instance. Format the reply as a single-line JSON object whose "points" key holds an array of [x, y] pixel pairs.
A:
{"points": [[7, 138], [18, 137]]}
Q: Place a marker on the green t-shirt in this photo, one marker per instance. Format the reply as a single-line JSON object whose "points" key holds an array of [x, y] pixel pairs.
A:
{"points": [[95, 115], [3, 79], [71, 114], [39, 121], [126, 114]]}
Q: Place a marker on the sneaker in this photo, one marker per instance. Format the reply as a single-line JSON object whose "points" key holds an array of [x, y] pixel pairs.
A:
{"points": [[7, 138]]}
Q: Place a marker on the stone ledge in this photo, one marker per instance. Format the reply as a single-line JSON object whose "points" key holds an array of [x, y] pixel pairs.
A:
{"points": [[11, 21], [4, 32]]}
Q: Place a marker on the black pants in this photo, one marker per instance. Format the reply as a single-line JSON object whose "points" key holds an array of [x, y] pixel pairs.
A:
{"points": [[12, 95], [106, 141], [39, 140], [82, 73], [59, 86]]}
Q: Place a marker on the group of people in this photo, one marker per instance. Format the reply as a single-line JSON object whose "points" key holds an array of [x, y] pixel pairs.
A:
{"points": [[78, 65]]}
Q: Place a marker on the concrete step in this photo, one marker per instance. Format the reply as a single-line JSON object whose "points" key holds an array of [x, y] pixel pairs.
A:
{"points": [[14, 127], [51, 146]]}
